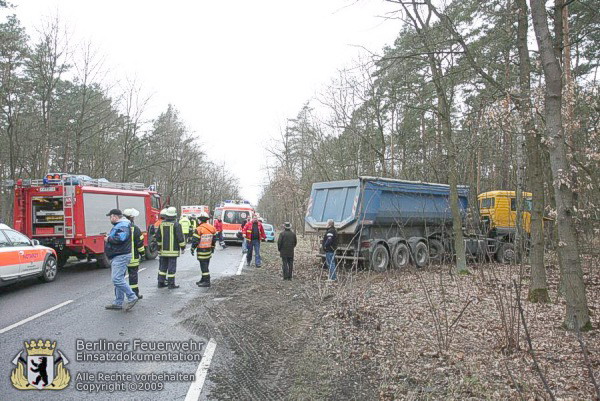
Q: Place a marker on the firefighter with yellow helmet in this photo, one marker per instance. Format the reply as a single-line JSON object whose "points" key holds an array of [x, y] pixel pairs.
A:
{"points": [[137, 250], [203, 241], [171, 243]]}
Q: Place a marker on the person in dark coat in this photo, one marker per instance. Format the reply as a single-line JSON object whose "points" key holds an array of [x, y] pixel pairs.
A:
{"points": [[329, 246], [285, 245]]}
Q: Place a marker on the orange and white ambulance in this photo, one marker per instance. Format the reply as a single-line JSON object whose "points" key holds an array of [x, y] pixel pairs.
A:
{"points": [[233, 213], [21, 258]]}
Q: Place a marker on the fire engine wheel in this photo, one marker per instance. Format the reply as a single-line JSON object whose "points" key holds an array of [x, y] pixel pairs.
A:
{"points": [[50, 270], [102, 261], [380, 258], [401, 256], [151, 252], [421, 254], [62, 260]]}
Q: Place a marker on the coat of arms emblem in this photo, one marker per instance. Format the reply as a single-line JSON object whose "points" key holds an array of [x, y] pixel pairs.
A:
{"points": [[41, 370]]}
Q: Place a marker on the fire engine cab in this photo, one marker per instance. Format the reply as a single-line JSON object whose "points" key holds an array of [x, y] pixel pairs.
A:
{"points": [[233, 213], [68, 213]]}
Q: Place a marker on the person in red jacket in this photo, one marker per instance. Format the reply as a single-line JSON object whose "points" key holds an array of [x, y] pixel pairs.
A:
{"points": [[254, 233], [218, 225]]}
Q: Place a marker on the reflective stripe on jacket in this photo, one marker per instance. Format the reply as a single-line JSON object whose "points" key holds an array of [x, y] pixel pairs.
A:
{"points": [[169, 238], [204, 240], [137, 246], [247, 231]]}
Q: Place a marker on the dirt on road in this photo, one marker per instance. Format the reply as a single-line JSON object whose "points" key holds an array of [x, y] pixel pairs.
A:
{"points": [[411, 335]]}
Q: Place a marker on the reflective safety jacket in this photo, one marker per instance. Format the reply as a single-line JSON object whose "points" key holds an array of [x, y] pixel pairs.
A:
{"points": [[137, 246], [247, 231], [218, 225], [169, 238], [185, 224], [204, 240], [193, 225]]}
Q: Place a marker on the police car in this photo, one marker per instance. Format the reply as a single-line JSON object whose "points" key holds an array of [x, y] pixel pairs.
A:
{"points": [[22, 258]]}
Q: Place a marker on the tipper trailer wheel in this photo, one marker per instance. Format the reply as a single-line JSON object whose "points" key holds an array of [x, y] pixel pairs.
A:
{"points": [[421, 254], [380, 258], [401, 256], [436, 251]]}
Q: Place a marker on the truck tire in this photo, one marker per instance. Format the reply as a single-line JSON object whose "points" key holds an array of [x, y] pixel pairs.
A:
{"points": [[420, 254], [151, 251], [62, 260], [506, 253], [401, 256], [102, 261], [436, 251], [49, 271], [380, 258]]}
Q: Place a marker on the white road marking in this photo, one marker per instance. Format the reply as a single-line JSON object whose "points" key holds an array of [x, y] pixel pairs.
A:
{"points": [[195, 389], [241, 266], [141, 270], [29, 319]]}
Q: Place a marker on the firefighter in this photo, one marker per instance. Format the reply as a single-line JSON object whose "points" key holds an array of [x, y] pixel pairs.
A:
{"points": [[193, 225], [203, 241], [137, 250], [171, 243], [160, 219], [185, 226]]}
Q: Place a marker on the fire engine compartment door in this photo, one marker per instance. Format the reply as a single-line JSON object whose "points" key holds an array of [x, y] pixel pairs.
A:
{"points": [[136, 202], [95, 208]]}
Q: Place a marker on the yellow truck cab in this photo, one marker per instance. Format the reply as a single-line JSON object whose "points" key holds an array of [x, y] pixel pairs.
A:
{"points": [[498, 212]]}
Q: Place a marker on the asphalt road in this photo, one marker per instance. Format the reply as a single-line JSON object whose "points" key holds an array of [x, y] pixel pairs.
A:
{"points": [[89, 289]]}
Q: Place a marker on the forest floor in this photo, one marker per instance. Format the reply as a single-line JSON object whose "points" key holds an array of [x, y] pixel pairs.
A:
{"points": [[410, 335]]}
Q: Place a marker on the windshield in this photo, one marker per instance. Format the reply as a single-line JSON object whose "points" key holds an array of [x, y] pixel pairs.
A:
{"points": [[235, 216], [268, 227]]}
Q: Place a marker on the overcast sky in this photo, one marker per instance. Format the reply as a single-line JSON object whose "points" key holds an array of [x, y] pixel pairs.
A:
{"points": [[235, 69]]}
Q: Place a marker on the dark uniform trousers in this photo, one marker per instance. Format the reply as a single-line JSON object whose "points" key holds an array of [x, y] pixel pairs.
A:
{"points": [[287, 267], [133, 279], [204, 256], [167, 267]]}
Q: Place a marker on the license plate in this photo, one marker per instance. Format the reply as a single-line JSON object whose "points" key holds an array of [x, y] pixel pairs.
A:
{"points": [[47, 189]]}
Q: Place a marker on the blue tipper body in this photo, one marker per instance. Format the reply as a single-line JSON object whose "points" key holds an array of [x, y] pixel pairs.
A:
{"points": [[380, 202]]}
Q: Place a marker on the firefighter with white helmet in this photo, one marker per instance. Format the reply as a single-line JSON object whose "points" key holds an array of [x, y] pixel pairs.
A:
{"points": [[171, 243], [137, 250], [203, 241]]}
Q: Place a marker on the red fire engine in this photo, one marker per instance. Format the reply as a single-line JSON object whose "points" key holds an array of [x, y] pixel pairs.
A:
{"points": [[68, 213]]}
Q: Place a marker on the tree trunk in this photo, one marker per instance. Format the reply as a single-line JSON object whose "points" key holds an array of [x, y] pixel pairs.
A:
{"points": [[538, 291], [577, 314]]}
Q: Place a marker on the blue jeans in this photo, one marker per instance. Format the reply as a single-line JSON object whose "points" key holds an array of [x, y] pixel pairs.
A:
{"points": [[330, 258], [254, 244], [244, 246], [118, 267]]}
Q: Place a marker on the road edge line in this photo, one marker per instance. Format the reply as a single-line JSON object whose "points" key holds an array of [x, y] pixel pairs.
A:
{"points": [[195, 389], [241, 266], [29, 319]]}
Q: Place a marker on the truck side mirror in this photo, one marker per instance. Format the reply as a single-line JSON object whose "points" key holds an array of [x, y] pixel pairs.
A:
{"points": [[35, 242]]}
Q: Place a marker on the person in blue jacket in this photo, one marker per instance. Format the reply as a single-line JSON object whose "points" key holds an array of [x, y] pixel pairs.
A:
{"points": [[118, 251]]}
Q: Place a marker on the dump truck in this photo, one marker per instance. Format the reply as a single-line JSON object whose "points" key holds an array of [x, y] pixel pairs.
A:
{"points": [[385, 223]]}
